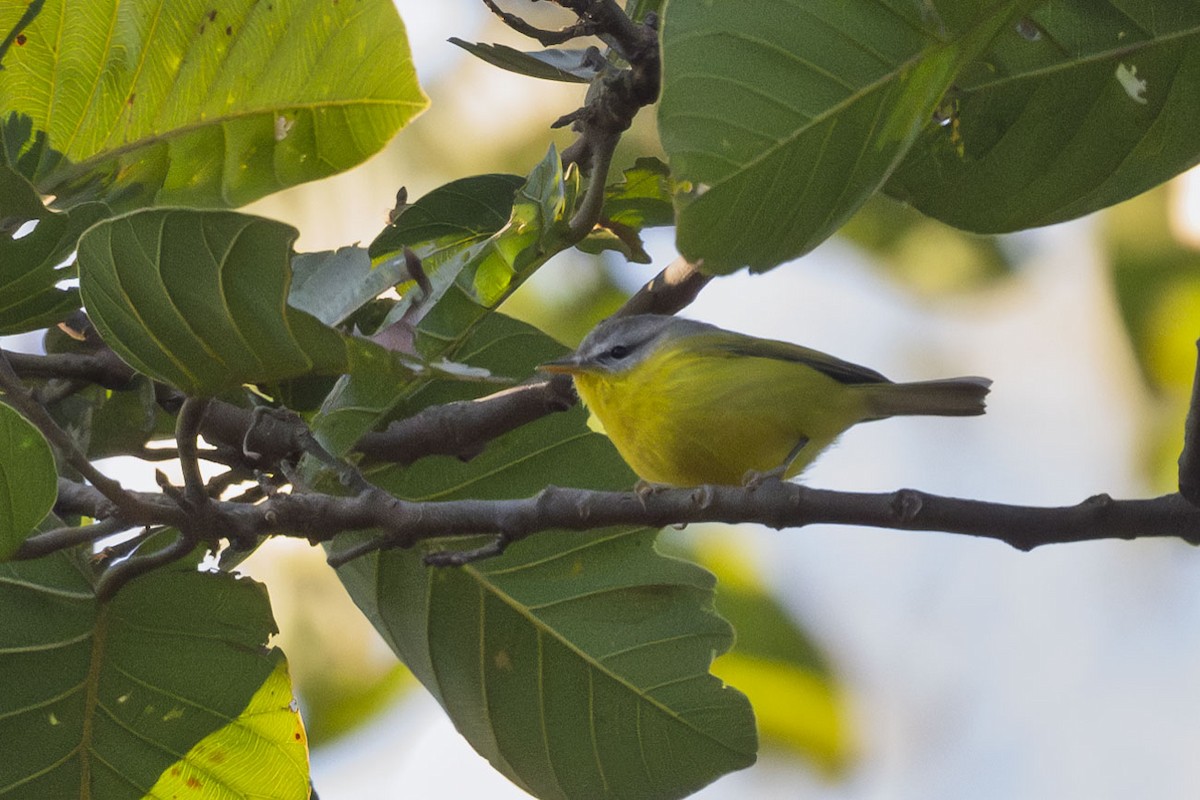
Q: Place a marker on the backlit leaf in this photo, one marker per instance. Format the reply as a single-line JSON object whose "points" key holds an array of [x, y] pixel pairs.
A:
{"points": [[100, 700], [200, 103]]}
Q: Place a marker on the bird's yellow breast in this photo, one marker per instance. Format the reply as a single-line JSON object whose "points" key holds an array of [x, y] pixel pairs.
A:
{"points": [[690, 415]]}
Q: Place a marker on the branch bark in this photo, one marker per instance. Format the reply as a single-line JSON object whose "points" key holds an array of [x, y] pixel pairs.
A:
{"points": [[320, 518], [1189, 458]]}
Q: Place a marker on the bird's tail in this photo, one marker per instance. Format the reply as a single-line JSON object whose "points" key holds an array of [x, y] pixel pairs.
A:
{"points": [[951, 397]]}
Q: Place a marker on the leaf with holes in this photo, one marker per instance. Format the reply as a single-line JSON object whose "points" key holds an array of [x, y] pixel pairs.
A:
{"points": [[35, 243], [195, 103], [198, 299], [787, 116], [110, 700], [28, 480], [1080, 106]]}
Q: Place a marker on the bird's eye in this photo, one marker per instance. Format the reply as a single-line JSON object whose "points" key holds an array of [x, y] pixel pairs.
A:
{"points": [[618, 352]]}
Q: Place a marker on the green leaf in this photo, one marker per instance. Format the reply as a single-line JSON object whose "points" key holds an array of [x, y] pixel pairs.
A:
{"points": [[28, 480], [123, 421], [470, 270], [1082, 105], [454, 215], [576, 663], [570, 66], [264, 750], [197, 299], [641, 199], [441, 228], [31, 266], [199, 103], [334, 284], [100, 700], [787, 116], [490, 272]]}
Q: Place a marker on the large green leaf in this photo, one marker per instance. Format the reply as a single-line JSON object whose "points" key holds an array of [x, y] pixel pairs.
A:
{"points": [[198, 299], [109, 700], [1082, 105], [28, 480], [788, 114], [201, 103], [576, 663], [32, 265]]}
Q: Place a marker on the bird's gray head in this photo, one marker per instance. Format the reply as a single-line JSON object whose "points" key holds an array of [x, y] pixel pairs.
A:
{"points": [[621, 342]]}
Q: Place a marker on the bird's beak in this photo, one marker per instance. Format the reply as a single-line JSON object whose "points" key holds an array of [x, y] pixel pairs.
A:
{"points": [[567, 365]]}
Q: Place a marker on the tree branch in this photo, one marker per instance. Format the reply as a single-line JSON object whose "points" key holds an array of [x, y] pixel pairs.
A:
{"points": [[463, 428], [1189, 458], [101, 366], [17, 395], [42, 544], [402, 523], [547, 38]]}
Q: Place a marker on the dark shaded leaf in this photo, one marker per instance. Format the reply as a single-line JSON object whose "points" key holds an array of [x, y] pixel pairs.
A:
{"points": [[32, 264], [1080, 106], [28, 480], [110, 700], [789, 114], [570, 66], [197, 299]]}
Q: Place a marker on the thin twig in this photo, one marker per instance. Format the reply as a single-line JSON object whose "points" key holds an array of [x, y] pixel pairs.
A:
{"points": [[1189, 458], [187, 431], [547, 38], [51, 541], [123, 572]]}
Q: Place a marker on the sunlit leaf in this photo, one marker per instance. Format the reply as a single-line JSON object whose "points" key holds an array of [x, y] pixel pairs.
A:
{"points": [[28, 480], [788, 117], [1081, 105], [641, 199], [200, 103], [100, 700]]}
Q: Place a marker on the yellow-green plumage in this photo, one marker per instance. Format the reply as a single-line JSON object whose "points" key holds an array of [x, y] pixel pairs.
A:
{"points": [[688, 404]]}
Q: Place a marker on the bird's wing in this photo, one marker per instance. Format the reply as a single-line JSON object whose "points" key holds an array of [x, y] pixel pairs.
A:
{"points": [[839, 370]]}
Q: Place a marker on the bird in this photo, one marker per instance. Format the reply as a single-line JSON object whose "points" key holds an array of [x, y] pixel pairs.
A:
{"points": [[689, 404]]}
